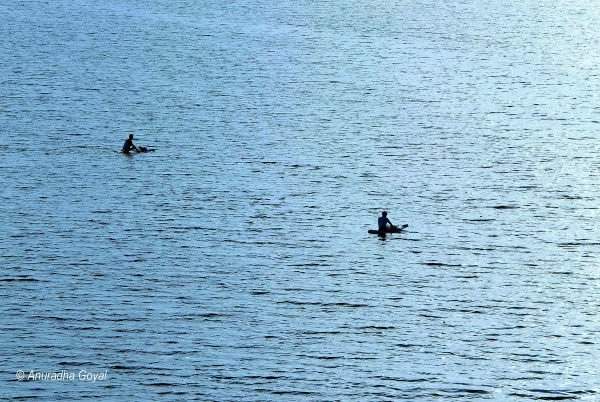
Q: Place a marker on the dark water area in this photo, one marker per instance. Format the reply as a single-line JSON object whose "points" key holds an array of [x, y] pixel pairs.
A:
{"points": [[234, 262]]}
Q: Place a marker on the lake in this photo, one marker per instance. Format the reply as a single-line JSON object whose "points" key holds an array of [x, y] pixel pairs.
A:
{"points": [[234, 263]]}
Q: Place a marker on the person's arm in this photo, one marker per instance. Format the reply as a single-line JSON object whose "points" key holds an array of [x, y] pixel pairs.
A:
{"points": [[390, 222]]}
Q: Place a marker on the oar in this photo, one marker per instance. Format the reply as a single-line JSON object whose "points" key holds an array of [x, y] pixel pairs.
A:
{"points": [[401, 227]]}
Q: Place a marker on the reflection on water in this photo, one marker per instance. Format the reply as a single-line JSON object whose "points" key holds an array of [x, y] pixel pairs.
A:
{"points": [[234, 262]]}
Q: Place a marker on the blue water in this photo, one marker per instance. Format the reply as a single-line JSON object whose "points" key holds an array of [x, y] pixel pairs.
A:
{"points": [[234, 262]]}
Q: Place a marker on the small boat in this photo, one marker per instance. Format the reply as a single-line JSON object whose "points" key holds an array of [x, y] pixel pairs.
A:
{"points": [[139, 150], [393, 229]]}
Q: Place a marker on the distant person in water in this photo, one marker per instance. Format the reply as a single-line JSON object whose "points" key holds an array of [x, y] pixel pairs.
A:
{"points": [[128, 146], [383, 223]]}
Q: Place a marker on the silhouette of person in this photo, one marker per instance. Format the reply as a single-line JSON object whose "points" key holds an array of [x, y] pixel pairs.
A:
{"points": [[382, 222], [128, 146]]}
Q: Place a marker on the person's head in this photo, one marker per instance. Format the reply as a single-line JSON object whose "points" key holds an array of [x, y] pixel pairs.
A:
{"points": [[131, 136], [384, 214]]}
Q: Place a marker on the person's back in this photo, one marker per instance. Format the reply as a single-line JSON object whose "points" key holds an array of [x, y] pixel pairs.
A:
{"points": [[383, 221], [128, 145]]}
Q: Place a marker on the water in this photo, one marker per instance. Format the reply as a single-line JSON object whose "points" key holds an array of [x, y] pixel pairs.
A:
{"points": [[234, 262]]}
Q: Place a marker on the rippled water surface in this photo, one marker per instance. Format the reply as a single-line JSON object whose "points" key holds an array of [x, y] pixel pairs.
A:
{"points": [[234, 262]]}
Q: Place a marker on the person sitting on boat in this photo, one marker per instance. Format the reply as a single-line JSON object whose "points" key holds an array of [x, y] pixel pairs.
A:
{"points": [[128, 146], [383, 223]]}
